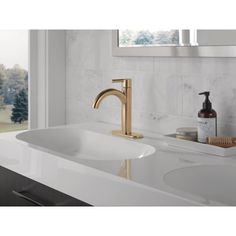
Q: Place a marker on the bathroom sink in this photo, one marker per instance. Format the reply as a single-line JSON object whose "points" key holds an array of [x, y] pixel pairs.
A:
{"points": [[74, 142], [211, 182]]}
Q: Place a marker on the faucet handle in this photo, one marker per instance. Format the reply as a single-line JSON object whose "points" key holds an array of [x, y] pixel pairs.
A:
{"points": [[126, 83]]}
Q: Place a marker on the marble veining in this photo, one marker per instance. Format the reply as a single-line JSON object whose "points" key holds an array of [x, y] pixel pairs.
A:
{"points": [[165, 90]]}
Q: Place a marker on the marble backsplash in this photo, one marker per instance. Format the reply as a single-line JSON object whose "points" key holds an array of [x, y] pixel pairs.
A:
{"points": [[165, 90]]}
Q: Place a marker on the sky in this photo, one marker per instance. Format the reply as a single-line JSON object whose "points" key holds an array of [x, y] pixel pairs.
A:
{"points": [[14, 48]]}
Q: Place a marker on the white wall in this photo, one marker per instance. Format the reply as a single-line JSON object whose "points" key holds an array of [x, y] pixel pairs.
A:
{"points": [[165, 90]]}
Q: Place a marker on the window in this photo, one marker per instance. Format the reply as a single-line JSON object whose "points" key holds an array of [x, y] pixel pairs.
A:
{"points": [[13, 80]]}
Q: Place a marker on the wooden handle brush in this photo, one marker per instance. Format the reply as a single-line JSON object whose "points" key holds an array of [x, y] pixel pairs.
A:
{"points": [[224, 142]]}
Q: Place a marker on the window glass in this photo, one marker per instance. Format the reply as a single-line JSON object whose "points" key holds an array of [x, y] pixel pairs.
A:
{"points": [[13, 80]]}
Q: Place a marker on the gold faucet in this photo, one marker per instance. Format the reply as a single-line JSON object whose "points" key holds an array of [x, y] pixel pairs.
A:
{"points": [[125, 96]]}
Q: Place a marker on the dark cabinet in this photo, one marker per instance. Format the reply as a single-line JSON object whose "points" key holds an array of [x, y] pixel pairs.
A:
{"points": [[18, 190]]}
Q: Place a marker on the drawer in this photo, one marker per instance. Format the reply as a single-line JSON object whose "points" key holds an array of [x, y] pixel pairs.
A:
{"points": [[18, 190]]}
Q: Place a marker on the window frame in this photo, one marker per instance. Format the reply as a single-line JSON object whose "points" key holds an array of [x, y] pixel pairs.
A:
{"points": [[47, 78]]}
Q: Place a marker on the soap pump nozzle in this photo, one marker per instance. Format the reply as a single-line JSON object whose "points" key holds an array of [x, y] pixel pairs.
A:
{"points": [[206, 104]]}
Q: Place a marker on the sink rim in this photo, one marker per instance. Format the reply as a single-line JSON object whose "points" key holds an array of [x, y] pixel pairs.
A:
{"points": [[146, 149], [217, 193]]}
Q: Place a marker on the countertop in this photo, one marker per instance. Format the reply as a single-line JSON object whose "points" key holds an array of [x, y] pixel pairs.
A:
{"points": [[98, 182]]}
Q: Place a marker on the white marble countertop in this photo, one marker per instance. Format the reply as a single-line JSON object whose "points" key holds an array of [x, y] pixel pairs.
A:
{"points": [[98, 182]]}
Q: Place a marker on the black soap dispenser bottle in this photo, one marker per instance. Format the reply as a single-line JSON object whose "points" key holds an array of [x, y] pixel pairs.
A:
{"points": [[207, 120]]}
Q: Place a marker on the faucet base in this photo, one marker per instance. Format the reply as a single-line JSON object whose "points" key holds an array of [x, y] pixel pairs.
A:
{"points": [[133, 135]]}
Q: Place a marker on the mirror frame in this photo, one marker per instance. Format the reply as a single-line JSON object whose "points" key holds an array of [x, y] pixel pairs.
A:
{"points": [[170, 51]]}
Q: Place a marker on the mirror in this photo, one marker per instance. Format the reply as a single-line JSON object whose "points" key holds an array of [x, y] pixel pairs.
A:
{"points": [[174, 43], [216, 37], [137, 38]]}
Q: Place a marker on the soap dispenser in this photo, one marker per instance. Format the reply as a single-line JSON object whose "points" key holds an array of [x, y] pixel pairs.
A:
{"points": [[207, 120]]}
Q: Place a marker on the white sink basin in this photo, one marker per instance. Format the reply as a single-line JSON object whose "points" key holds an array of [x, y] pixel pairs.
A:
{"points": [[84, 144], [212, 182]]}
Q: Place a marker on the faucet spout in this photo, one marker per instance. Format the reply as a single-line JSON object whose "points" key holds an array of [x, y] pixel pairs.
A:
{"points": [[125, 97], [108, 92]]}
